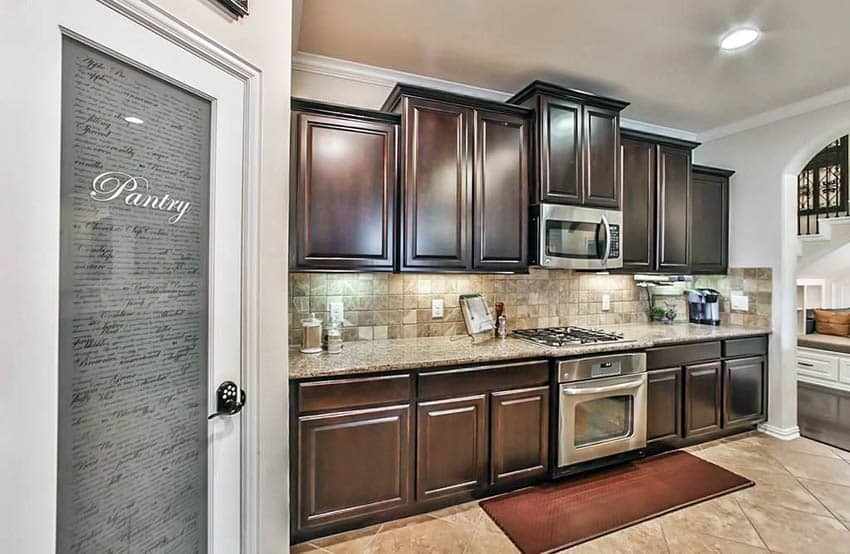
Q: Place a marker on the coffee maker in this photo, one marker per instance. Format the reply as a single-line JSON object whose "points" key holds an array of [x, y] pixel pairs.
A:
{"points": [[704, 306]]}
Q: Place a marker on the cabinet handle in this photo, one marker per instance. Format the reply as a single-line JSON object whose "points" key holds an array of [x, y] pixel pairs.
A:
{"points": [[805, 364]]}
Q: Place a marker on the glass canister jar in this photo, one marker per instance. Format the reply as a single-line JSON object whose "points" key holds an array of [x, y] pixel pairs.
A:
{"points": [[333, 338], [311, 335]]}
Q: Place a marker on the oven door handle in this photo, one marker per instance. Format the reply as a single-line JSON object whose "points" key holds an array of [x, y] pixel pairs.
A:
{"points": [[575, 391], [607, 251]]}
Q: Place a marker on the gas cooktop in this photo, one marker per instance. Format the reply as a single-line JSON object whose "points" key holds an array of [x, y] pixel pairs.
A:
{"points": [[566, 336]]}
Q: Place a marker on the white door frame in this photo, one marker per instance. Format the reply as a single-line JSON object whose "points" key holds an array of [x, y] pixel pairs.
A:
{"points": [[173, 30], [31, 158]]}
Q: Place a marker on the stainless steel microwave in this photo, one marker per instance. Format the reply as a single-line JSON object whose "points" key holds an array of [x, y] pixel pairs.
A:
{"points": [[572, 237]]}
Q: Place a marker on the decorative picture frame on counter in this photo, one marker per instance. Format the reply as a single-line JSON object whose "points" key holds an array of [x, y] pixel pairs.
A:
{"points": [[237, 7], [476, 315]]}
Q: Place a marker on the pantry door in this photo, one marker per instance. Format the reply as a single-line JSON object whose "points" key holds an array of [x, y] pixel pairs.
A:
{"points": [[147, 213]]}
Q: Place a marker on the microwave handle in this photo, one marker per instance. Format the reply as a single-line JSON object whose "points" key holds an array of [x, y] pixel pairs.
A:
{"points": [[607, 251]]}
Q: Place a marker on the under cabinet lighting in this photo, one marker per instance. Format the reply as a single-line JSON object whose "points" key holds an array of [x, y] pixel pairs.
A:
{"points": [[738, 38]]}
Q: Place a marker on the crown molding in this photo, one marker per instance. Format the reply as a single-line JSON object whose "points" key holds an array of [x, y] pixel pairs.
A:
{"points": [[800, 107], [383, 77]]}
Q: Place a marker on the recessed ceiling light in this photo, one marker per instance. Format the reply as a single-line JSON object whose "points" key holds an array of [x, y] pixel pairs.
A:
{"points": [[133, 119], [738, 38]]}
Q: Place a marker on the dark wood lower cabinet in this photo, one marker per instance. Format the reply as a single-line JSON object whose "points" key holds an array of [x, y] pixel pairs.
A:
{"points": [[703, 401], [352, 464], [744, 391], [451, 446], [519, 435], [664, 404]]}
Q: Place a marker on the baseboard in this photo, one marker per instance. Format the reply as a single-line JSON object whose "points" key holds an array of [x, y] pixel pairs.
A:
{"points": [[784, 433]]}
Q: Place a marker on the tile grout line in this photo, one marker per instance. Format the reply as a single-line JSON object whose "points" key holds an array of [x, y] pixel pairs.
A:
{"points": [[743, 511], [825, 507], [664, 536]]}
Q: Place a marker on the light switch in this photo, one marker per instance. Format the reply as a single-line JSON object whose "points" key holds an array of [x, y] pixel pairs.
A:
{"points": [[740, 302], [436, 308], [336, 311], [606, 302]]}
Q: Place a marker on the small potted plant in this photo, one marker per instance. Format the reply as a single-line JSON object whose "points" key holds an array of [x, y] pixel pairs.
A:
{"points": [[656, 313], [670, 313]]}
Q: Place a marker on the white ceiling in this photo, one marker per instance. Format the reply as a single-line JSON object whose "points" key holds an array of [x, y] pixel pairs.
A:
{"points": [[661, 55]]}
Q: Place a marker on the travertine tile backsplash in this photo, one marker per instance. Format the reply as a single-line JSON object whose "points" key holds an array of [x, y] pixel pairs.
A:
{"points": [[379, 306]]}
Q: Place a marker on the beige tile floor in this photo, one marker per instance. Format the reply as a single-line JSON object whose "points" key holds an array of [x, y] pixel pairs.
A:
{"points": [[801, 503]]}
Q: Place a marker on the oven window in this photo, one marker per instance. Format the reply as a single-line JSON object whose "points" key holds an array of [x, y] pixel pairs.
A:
{"points": [[603, 419], [575, 239]]}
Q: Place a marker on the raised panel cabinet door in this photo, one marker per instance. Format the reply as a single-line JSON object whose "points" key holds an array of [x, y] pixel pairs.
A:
{"points": [[638, 176], [602, 185], [519, 435], [501, 192], [709, 223], [437, 215], [560, 151], [345, 190], [451, 446], [703, 401], [744, 391], [664, 404], [674, 191], [352, 464]]}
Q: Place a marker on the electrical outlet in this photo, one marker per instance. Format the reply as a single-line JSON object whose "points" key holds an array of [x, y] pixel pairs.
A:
{"points": [[337, 312], [436, 308], [740, 302], [606, 302]]}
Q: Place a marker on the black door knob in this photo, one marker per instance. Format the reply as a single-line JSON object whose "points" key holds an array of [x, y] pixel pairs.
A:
{"points": [[230, 400]]}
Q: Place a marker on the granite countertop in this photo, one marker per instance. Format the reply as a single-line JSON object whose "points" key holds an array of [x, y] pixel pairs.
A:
{"points": [[363, 357]]}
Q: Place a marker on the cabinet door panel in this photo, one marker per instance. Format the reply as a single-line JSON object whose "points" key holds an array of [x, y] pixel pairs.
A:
{"points": [[709, 224], [437, 191], [345, 174], [602, 157], [703, 399], [674, 190], [501, 192], [560, 152], [638, 236], [352, 464], [664, 399], [519, 434], [451, 446], [744, 388]]}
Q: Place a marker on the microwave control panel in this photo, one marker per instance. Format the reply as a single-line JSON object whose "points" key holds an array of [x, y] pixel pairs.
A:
{"points": [[615, 242]]}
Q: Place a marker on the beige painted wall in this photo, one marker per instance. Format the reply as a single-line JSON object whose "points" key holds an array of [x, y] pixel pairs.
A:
{"points": [[264, 39], [338, 90]]}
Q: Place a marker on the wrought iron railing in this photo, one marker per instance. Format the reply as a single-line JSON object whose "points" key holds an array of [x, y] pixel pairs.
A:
{"points": [[822, 188]]}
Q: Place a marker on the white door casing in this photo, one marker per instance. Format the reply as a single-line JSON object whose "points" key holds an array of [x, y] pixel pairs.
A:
{"points": [[144, 36]]}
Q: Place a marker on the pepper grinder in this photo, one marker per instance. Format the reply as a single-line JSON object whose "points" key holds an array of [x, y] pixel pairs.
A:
{"points": [[501, 321]]}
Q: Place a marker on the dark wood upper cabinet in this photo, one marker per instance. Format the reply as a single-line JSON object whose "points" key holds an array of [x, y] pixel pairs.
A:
{"points": [[709, 220], [657, 201], [639, 189], [344, 188], [560, 161], [519, 435], [703, 401], [576, 144], [602, 157], [501, 192], [674, 204], [452, 446], [664, 404], [352, 464], [465, 181], [744, 389]]}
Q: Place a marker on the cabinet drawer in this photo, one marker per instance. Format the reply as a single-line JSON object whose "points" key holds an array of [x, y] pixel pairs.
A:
{"points": [[820, 366], [753, 346], [682, 354], [351, 393], [477, 379]]}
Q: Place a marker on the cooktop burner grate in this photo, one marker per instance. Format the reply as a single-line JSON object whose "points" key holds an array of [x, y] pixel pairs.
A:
{"points": [[563, 336]]}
